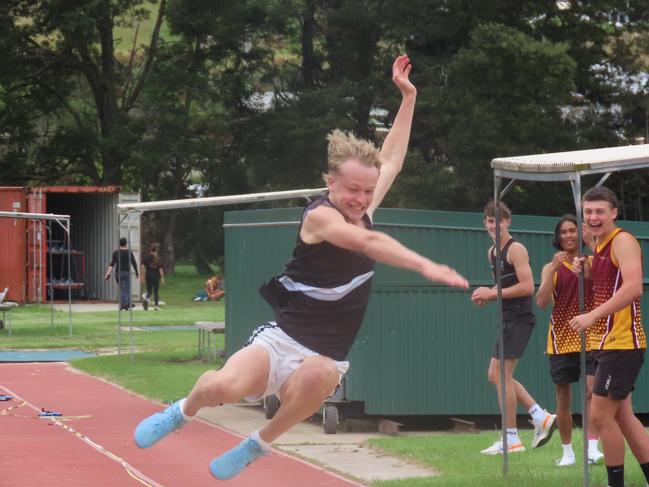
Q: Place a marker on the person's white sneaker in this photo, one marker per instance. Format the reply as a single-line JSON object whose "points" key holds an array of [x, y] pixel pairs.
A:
{"points": [[566, 460], [595, 457], [497, 448], [543, 430]]}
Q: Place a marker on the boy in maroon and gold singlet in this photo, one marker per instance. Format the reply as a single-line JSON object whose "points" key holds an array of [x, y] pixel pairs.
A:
{"points": [[615, 332], [560, 287]]}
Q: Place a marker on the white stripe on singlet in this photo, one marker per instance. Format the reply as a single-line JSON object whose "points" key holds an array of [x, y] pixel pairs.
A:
{"points": [[323, 293]]}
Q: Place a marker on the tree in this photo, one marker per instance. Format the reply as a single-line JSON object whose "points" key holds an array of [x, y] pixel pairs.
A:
{"points": [[71, 98]]}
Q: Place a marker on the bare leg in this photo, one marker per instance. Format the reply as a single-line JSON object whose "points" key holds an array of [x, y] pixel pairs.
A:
{"points": [[302, 395], [564, 417], [244, 374], [592, 429], [633, 430], [515, 392], [603, 412]]}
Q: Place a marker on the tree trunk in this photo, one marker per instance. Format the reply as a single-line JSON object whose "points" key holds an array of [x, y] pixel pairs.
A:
{"points": [[111, 153], [308, 58]]}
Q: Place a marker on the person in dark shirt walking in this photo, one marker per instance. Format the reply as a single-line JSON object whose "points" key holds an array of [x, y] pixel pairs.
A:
{"points": [[119, 268], [153, 275]]}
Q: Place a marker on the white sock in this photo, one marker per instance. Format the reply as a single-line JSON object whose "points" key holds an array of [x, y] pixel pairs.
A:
{"points": [[592, 445], [537, 413], [263, 444], [512, 437], [567, 450], [181, 405]]}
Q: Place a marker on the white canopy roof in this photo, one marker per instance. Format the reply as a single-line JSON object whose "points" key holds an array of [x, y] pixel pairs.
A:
{"points": [[590, 161]]}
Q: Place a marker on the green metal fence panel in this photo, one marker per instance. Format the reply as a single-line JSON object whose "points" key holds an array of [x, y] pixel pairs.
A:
{"points": [[423, 349]]}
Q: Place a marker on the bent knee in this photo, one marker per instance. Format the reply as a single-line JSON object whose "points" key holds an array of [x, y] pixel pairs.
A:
{"points": [[600, 421], [228, 387], [321, 378]]}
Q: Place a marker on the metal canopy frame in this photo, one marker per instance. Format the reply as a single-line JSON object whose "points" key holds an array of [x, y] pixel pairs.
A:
{"points": [[553, 167], [64, 223], [127, 210]]}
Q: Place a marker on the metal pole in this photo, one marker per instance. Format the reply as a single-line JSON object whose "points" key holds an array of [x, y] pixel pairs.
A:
{"points": [[576, 193], [69, 279], [40, 261], [34, 267], [119, 294], [51, 288], [501, 349], [130, 291]]}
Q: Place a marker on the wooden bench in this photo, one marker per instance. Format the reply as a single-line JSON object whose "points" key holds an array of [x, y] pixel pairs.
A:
{"points": [[205, 330]]}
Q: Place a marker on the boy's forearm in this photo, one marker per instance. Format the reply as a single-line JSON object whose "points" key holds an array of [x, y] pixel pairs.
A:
{"points": [[395, 146]]}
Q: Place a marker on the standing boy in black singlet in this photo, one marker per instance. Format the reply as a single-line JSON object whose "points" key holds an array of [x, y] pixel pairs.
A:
{"points": [[518, 324]]}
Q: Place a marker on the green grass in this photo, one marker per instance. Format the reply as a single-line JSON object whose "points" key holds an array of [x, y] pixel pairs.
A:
{"points": [[457, 458], [164, 376], [166, 364], [31, 324]]}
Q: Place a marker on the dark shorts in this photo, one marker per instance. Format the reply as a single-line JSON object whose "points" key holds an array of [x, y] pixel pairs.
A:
{"points": [[516, 334], [565, 368], [617, 371]]}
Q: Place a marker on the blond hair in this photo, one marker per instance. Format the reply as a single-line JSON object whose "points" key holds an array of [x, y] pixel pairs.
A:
{"points": [[343, 146]]}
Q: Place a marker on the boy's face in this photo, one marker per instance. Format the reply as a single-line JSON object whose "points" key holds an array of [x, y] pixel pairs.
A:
{"points": [[600, 217], [490, 225], [351, 189]]}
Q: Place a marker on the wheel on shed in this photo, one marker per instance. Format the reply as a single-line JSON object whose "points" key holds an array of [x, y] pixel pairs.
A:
{"points": [[330, 419], [271, 405]]}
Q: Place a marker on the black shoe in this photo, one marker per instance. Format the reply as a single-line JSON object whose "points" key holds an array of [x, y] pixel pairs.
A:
{"points": [[145, 304]]}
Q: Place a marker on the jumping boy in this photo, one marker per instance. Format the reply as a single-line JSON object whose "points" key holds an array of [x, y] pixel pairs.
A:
{"points": [[319, 299]]}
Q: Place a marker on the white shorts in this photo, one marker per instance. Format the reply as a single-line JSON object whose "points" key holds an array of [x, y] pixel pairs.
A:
{"points": [[286, 355]]}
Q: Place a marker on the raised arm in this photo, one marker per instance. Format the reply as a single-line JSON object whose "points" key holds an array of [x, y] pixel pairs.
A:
{"points": [[325, 223], [395, 146]]}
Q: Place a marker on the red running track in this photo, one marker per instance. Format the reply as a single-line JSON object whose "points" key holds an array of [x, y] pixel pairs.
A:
{"points": [[94, 447]]}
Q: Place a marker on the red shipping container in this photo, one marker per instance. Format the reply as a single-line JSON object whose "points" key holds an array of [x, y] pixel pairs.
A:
{"points": [[13, 273]]}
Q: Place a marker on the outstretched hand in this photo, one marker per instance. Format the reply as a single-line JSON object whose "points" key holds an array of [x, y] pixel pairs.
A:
{"points": [[401, 75], [445, 275]]}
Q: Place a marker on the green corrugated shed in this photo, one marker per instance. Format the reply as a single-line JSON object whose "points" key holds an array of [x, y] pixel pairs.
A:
{"points": [[423, 348]]}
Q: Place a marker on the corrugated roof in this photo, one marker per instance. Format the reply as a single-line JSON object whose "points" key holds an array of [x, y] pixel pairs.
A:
{"points": [[603, 160]]}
